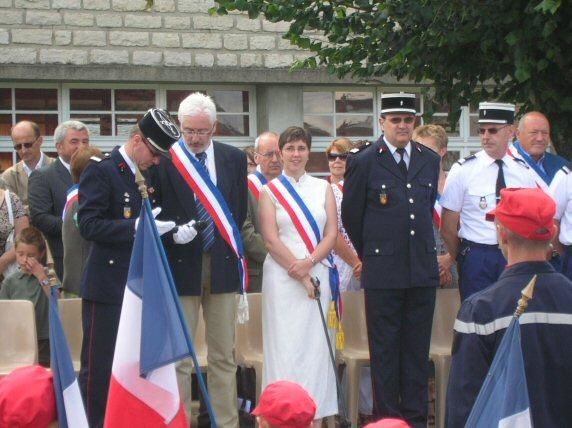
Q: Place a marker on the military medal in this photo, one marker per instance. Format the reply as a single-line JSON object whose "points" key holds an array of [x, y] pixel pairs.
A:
{"points": [[483, 203], [126, 207], [383, 196]]}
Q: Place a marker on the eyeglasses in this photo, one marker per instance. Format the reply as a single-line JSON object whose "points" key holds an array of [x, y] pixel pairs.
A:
{"points": [[269, 155], [397, 120], [197, 132], [492, 131], [333, 156], [19, 146]]}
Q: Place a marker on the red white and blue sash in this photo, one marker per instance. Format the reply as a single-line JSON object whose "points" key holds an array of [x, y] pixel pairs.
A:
{"points": [[255, 182], [202, 186], [437, 209], [307, 227], [72, 196]]}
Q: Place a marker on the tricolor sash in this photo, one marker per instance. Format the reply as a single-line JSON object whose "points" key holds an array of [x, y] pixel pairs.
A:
{"points": [[307, 227], [72, 196], [255, 182], [208, 194], [531, 163], [437, 209]]}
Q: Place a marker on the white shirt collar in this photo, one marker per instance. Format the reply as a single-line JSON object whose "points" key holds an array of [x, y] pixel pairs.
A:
{"points": [[127, 159], [392, 148], [64, 163], [40, 163]]}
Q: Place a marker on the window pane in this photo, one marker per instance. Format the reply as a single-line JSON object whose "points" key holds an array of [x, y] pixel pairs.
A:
{"points": [[232, 125], [231, 101], [354, 102], [174, 98], [474, 126], [5, 160], [354, 125], [444, 122], [319, 126], [125, 122], [46, 122], [90, 99], [98, 124], [134, 99], [450, 158], [36, 99], [318, 102], [5, 124], [5, 99]]}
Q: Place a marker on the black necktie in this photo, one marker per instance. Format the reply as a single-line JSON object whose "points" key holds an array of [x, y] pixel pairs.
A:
{"points": [[401, 164], [500, 179], [207, 233]]}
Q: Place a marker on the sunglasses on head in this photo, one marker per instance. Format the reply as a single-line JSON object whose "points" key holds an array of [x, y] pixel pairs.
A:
{"points": [[491, 131], [334, 156], [25, 145], [397, 120]]}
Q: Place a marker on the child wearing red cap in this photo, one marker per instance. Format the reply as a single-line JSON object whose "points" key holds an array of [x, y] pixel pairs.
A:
{"points": [[285, 404]]}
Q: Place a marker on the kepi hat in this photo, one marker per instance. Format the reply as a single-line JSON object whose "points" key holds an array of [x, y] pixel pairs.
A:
{"points": [[159, 129], [502, 113], [398, 103]]}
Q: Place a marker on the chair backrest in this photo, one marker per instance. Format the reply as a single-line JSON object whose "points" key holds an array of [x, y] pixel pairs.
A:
{"points": [[353, 321], [249, 335], [18, 337], [447, 305], [70, 315]]}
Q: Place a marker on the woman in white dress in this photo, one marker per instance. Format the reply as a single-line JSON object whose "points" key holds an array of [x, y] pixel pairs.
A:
{"points": [[294, 341]]}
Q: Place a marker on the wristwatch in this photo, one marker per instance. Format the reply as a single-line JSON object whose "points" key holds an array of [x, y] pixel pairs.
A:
{"points": [[45, 282]]}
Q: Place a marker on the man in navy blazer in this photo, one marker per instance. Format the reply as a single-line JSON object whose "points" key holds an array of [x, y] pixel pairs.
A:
{"points": [[390, 188], [204, 267], [109, 205], [48, 187]]}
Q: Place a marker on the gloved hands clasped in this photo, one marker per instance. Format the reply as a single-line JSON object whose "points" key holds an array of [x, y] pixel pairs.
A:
{"points": [[162, 226], [185, 233]]}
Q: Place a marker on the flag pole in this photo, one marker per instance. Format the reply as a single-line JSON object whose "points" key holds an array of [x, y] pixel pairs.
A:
{"points": [[142, 187], [526, 294]]}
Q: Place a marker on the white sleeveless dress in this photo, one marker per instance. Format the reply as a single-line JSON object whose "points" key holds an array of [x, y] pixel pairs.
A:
{"points": [[295, 346]]}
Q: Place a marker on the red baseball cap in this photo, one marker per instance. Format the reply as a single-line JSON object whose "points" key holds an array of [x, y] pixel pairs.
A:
{"points": [[27, 398], [389, 423], [286, 404], [527, 212]]}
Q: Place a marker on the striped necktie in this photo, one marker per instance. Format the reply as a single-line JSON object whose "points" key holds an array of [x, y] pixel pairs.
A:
{"points": [[207, 233]]}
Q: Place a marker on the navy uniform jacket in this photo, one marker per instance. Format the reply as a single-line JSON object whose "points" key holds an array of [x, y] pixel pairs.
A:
{"points": [[107, 192], [177, 200], [546, 337], [394, 240]]}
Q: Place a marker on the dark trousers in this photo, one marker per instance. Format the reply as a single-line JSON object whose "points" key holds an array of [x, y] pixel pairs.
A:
{"points": [[399, 331], [479, 266], [100, 323], [567, 262]]}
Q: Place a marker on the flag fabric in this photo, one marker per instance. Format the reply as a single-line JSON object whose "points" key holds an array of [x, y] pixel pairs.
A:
{"points": [[503, 399], [71, 411], [143, 390]]}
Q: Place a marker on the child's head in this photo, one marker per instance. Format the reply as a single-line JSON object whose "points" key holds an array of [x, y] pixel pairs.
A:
{"points": [[286, 405], [30, 244]]}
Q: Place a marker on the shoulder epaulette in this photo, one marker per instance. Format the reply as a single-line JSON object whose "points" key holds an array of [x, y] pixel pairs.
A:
{"points": [[360, 148], [522, 162], [468, 158], [420, 147], [95, 158], [565, 169]]}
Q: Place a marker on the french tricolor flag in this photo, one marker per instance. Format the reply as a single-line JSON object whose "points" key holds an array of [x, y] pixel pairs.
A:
{"points": [[71, 411], [143, 391]]}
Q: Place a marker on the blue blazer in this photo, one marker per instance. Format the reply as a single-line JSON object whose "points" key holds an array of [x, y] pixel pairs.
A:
{"points": [[389, 217], [177, 200]]}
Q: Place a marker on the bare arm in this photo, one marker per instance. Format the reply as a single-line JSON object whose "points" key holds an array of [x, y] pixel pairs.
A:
{"points": [[10, 256], [449, 229]]}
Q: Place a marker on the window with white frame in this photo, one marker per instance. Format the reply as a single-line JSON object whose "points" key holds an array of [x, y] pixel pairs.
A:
{"points": [[38, 105]]}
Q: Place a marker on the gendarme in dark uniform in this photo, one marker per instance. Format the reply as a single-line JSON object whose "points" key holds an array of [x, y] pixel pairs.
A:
{"points": [[109, 204], [387, 212]]}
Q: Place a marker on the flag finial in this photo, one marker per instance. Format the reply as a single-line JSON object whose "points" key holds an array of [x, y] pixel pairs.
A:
{"points": [[527, 293], [140, 180]]}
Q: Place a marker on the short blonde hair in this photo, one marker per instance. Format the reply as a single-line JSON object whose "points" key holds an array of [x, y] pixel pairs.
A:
{"points": [[434, 131]]}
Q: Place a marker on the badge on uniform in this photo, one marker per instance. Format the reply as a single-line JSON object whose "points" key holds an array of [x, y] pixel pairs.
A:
{"points": [[126, 207], [383, 196], [483, 203]]}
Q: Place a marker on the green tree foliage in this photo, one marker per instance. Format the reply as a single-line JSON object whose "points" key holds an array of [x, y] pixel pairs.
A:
{"points": [[467, 50]]}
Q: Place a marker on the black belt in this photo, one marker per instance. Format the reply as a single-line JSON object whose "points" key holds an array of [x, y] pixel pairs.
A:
{"points": [[467, 243]]}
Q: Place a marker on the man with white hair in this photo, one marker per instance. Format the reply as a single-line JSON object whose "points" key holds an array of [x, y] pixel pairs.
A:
{"points": [[48, 186], [205, 182]]}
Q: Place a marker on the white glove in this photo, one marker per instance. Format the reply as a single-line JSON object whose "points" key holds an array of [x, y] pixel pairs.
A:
{"points": [[162, 226], [185, 234]]}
